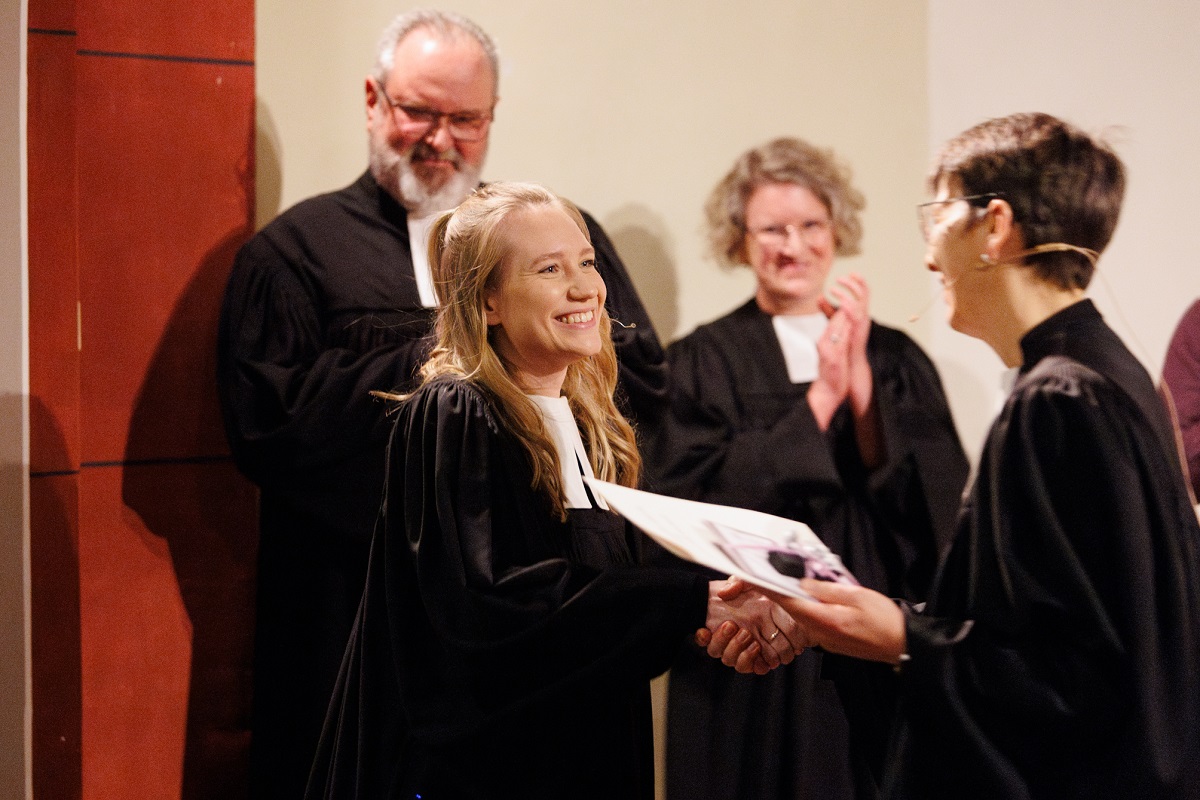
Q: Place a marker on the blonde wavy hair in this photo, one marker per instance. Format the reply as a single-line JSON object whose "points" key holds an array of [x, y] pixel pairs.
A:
{"points": [[467, 249]]}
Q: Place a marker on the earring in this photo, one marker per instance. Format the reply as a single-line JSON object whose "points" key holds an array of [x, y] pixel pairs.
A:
{"points": [[985, 258]]}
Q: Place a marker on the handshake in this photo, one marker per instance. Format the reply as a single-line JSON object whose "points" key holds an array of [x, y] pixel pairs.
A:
{"points": [[749, 630], [753, 631]]}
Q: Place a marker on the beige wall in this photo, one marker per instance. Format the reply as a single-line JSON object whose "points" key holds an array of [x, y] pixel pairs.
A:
{"points": [[634, 110], [1108, 65], [635, 114]]}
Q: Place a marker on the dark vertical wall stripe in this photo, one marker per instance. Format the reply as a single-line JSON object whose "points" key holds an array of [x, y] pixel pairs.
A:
{"points": [[154, 57]]}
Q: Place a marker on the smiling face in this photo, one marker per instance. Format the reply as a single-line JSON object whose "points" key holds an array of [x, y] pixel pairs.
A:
{"points": [[956, 238], [545, 305], [789, 244]]}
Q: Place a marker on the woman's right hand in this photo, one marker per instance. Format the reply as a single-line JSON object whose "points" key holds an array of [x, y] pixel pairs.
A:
{"points": [[842, 367], [832, 384], [852, 620], [747, 630]]}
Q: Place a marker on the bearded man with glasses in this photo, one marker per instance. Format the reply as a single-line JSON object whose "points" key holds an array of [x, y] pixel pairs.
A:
{"points": [[330, 301]]}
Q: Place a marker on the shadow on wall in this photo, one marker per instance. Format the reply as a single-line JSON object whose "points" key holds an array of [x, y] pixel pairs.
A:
{"points": [[178, 477], [644, 243], [268, 170], [56, 646], [973, 403], [12, 612]]}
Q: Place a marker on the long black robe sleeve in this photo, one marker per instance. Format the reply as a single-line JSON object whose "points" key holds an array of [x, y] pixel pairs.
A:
{"points": [[531, 601], [500, 652], [321, 308], [301, 383]]}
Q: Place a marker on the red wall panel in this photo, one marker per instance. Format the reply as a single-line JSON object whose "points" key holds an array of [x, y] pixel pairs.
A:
{"points": [[165, 186], [141, 140], [135, 639], [52, 15], [181, 28], [204, 513], [53, 276], [165, 591], [54, 404], [54, 571]]}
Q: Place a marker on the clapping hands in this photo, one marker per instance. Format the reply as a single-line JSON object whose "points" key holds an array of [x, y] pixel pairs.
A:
{"points": [[843, 370]]}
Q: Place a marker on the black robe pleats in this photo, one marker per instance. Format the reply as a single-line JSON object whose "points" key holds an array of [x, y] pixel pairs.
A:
{"points": [[737, 432], [498, 653]]}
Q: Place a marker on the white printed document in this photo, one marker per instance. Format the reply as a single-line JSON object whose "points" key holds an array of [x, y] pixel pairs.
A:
{"points": [[764, 549]]}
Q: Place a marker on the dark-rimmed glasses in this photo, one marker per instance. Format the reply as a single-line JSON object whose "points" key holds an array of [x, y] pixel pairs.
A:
{"points": [[466, 126], [925, 216]]}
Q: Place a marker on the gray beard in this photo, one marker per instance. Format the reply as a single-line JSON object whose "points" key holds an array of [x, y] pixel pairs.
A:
{"points": [[394, 172]]}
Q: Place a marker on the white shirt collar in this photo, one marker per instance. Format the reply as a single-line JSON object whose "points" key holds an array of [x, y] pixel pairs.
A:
{"points": [[798, 335], [418, 238], [572, 456]]}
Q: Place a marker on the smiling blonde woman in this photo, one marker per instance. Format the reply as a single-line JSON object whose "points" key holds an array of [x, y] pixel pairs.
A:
{"points": [[508, 633]]}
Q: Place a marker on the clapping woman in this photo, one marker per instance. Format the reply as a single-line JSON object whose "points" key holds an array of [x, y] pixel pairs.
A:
{"points": [[507, 635], [798, 404]]}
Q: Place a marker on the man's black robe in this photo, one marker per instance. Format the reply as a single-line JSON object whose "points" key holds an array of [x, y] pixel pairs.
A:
{"points": [[1059, 655], [498, 653], [739, 433], [321, 308]]}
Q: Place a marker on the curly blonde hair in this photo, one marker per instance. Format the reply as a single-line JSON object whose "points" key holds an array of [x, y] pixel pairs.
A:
{"points": [[783, 160], [467, 246]]}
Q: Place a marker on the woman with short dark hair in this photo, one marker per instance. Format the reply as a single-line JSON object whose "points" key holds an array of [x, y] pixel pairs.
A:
{"points": [[1058, 654]]}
